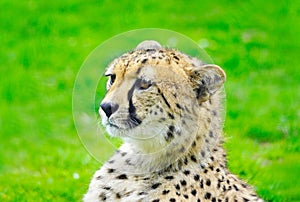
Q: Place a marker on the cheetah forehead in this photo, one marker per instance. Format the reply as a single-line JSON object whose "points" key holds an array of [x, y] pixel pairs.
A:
{"points": [[151, 53]]}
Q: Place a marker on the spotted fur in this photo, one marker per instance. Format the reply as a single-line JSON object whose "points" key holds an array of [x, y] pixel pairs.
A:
{"points": [[167, 107]]}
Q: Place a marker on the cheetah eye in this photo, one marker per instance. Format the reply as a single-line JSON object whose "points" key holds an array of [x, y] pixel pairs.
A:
{"points": [[143, 84], [112, 78]]}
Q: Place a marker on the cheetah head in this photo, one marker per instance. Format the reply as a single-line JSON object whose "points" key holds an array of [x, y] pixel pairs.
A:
{"points": [[154, 96]]}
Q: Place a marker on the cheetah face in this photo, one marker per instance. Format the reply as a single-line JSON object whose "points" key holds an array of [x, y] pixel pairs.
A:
{"points": [[145, 102], [152, 92]]}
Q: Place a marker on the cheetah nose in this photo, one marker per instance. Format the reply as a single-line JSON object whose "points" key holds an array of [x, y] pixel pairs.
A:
{"points": [[109, 108]]}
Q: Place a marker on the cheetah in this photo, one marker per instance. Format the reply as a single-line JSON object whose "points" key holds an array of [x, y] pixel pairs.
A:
{"points": [[167, 108]]}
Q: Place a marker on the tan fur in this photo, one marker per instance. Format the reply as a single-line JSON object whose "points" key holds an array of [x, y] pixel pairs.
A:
{"points": [[173, 150]]}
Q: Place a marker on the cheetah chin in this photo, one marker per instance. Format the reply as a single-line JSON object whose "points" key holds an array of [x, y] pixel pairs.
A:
{"points": [[167, 108]]}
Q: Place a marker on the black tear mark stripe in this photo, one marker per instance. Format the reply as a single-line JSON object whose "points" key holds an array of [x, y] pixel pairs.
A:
{"points": [[132, 110]]}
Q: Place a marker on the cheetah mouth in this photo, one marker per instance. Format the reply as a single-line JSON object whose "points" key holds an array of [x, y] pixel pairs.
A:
{"points": [[122, 124], [112, 125]]}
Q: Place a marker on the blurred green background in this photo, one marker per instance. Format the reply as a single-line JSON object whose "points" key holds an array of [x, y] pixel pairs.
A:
{"points": [[44, 43]]}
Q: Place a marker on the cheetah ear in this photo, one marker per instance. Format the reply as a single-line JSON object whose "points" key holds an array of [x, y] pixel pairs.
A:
{"points": [[206, 80]]}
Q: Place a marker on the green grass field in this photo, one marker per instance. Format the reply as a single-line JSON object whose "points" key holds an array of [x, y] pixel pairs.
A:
{"points": [[44, 43]]}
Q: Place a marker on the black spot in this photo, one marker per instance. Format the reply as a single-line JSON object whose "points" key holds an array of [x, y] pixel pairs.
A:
{"points": [[183, 182], [102, 196], [185, 196], [123, 153], [196, 177], [214, 113], [202, 153], [213, 199], [175, 57], [186, 172], [235, 187], [155, 200], [185, 161], [207, 195], [244, 185], [99, 177], [127, 161], [177, 186], [178, 194], [212, 158], [165, 192], [171, 128], [224, 188], [182, 149], [218, 185], [194, 144], [142, 193], [194, 192], [162, 119], [218, 169], [193, 158], [201, 183], [110, 170], [187, 109], [111, 161], [198, 200], [118, 196], [245, 199], [107, 188], [122, 177], [171, 115], [211, 134], [205, 171], [172, 200], [144, 61], [178, 106], [211, 168], [179, 164], [154, 186], [169, 136], [169, 177], [208, 183], [226, 199]]}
